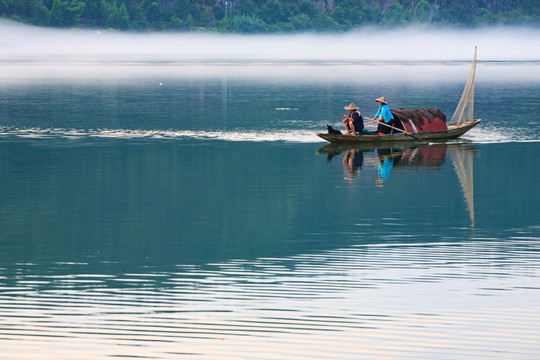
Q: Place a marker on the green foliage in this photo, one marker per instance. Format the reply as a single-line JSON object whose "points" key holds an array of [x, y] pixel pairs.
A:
{"points": [[514, 17], [258, 16], [66, 13], [301, 22], [423, 12], [349, 17], [272, 12], [458, 15], [282, 27], [117, 17], [247, 24], [324, 22], [205, 18], [180, 24], [219, 12], [195, 13], [396, 15], [247, 7], [370, 15], [307, 7], [484, 17], [181, 9], [40, 13], [153, 12], [5, 7]]}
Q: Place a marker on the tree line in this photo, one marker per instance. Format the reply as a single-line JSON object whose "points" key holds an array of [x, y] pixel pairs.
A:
{"points": [[268, 16]]}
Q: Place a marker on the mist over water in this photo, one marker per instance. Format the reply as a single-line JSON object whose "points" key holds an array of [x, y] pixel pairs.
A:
{"points": [[409, 44]]}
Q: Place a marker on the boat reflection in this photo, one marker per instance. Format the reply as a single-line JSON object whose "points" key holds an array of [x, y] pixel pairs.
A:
{"points": [[385, 159]]}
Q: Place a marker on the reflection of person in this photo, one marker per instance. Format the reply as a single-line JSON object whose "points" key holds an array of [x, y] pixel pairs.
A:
{"points": [[387, 159], [354, 122], [384, 167], [352, 162], [384, 115]]}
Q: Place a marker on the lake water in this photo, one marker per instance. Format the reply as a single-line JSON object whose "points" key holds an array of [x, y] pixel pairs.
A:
{"points": [[187, 211]]}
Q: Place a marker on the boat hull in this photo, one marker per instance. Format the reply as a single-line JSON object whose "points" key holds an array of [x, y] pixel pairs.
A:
{"points": [[452, 133]]}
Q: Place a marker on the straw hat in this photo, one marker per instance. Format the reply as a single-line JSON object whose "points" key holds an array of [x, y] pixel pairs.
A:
{"points": [[351, 107], [381, 99]]}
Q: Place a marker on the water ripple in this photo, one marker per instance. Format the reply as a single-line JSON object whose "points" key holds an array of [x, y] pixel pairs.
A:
{"points": [[339, 304]]}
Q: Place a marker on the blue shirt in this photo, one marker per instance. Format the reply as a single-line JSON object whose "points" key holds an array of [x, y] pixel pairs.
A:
{"points": [[384, 111], [385, 168]]}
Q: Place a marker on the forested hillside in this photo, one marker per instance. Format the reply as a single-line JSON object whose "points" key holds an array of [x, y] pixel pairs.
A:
{"points": [[260, 16]]}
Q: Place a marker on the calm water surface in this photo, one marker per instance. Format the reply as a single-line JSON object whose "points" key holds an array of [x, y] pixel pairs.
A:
{"points": [[189, 212]]}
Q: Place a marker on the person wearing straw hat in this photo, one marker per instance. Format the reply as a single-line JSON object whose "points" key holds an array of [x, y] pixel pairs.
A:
{"points": [[383, 114], [353, 122]]}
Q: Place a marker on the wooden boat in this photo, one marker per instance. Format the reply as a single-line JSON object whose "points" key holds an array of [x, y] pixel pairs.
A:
{"points": [[453, 132], [432, 122]]}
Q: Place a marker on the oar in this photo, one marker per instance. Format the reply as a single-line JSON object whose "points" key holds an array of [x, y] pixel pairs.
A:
{"points": [[395, 128], [370, 121]]}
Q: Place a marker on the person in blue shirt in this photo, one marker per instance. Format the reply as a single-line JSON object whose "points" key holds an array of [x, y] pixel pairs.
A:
{"points": [[353, 122], [384, 114]]}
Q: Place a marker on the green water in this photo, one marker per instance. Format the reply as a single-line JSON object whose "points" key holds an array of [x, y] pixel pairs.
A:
{"points": [[201, 218]]}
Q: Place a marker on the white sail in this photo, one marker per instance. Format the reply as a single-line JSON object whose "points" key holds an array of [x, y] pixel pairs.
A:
{"points": [[465, 109]]}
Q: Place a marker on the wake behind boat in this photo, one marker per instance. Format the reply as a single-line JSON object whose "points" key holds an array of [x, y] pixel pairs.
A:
{"points": [[422, 124]]}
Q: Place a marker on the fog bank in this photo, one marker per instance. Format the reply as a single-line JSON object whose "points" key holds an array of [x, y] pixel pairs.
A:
{"points": [[23, 42]]}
